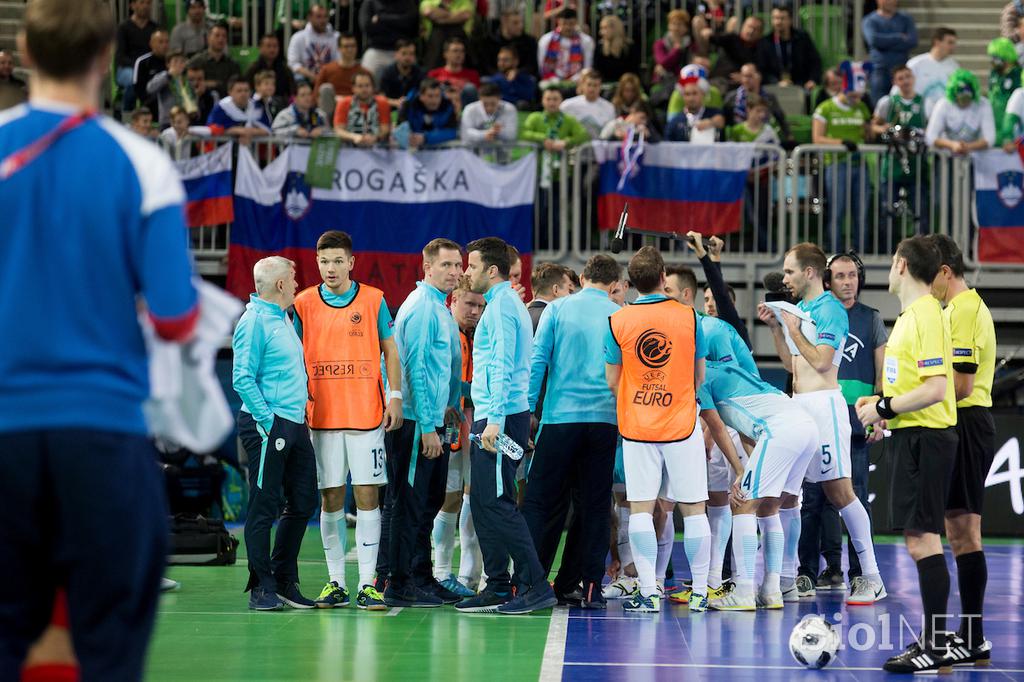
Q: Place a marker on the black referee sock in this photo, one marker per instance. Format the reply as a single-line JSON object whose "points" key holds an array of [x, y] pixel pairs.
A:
{"points": [[972, 576], [933, 577]]}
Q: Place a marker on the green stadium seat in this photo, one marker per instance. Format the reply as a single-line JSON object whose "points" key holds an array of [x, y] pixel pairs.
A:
{"points": [[800, 126], [827, 27], [245, 56]]}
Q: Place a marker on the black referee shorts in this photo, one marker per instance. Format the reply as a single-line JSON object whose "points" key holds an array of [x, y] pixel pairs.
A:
{"points": [[923, 462], [974, 455]]}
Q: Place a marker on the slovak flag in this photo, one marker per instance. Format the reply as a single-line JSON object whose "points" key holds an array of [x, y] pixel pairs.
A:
{"points": [[207, 180]]}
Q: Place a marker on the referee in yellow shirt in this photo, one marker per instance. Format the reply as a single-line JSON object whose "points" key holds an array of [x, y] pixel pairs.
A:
{"points": [[919, 406], [974, 364]]}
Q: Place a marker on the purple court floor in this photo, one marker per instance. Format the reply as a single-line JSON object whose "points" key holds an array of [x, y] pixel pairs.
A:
{"points": [[678, 645]]}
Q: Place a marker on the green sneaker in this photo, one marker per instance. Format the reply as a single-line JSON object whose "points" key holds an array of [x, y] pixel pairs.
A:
{"points": [[370, 599], [332, 596]]}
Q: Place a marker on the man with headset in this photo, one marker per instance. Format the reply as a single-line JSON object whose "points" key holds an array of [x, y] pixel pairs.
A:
{"points": [[860, 374]]}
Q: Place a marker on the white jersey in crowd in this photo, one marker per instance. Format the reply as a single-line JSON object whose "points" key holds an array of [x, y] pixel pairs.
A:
{"points": [[930, 77], [311, 50], [952, 122], [593, 115]]}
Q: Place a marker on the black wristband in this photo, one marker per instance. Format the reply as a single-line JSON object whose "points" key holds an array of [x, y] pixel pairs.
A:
{"points": [[883, 408]]}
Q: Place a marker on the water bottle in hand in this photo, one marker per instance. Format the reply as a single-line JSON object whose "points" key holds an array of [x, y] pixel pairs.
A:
{"points": [[506, 446]]}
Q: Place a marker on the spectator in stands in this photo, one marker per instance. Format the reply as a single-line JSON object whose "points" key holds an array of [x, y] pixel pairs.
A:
{"points": [[552, 128], [694, 73], [672, 50], [696, 123], [149, 65], [735, 50], [271, 59], [301, 118], [638, 119], [13, 90], [454, 76], [170, 88], [890, 36], [265, 85], [315, 46], [737, 102], [133, 36], [237, 114], [628, 91], [963, 121], [178, 138], [218, 66], [141, 122], [403, 76], [490, 119], [444, 19], [1009, 19], [933, 68], [754, 127], [189, 36], [338, 74], [557, 9], [787, 55], [757, 197], [712, 18], [831, 85], [1003, 79], [205, 99], [384, 23], [517, 87], [510, 34], [588, 107], [845, 121], [615, 54], [431, 116], [363, 118], [565, 52]]}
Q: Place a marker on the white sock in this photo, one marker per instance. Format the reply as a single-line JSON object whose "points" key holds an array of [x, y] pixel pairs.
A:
{"points": [[720, 520], [367, 544], [644, 545], [697, 543], [333, 533], [470, 558], [625, 551], [774, 540], [744, 551], [444, 543], [666, 539], [790, 519], [858, 524]]}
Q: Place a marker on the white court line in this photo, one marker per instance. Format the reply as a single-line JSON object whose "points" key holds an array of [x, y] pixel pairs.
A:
{"points": [[724, 666], [395, 611], [554, 649]]}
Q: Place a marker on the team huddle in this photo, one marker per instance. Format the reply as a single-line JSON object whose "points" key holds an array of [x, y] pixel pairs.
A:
{"points": [[475, 412]]}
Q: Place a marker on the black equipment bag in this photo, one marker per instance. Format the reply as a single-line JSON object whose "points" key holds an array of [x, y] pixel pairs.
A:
{"points": [[198, 541]]}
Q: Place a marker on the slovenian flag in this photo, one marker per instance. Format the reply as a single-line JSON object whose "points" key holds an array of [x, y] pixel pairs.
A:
{"points": [[207, 180], [674, 187], [391, 202], [999, 202]]}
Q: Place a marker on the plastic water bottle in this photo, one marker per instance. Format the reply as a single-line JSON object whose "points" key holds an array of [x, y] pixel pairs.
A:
{"points": [[451, 433], [506, 446]]}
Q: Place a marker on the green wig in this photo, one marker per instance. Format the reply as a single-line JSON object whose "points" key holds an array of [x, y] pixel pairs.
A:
{"points": [[1003, 49], [959, 79]]}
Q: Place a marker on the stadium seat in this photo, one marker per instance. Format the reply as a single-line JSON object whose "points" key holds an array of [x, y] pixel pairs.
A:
{"points": [[800, 127], [791, 98], [245, 56], [828, 30]]}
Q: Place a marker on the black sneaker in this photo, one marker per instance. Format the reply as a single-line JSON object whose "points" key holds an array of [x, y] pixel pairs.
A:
{"points": [[592, 597], [441, 592], [961, 655], [291, 597], [380, 584], [410, 596], [831, 579], [487, 601], [572, 598], [918, 660], [535, 599]]}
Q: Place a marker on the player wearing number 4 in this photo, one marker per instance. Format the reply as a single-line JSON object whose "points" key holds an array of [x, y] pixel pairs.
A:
{"points": [[814, 363], [344, 327]]}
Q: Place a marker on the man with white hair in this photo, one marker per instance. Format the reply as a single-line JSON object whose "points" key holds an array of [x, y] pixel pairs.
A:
{"points": [[269, 376]]}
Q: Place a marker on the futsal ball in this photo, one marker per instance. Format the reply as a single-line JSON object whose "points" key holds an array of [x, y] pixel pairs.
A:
{"points": [[813, 642]]}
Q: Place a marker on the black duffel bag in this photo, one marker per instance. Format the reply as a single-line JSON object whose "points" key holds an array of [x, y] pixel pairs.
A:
{"points": [[199, 541]]}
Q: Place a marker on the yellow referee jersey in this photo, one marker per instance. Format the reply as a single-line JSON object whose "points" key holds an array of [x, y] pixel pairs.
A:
{"points": [[974, 344], [919, 347]]}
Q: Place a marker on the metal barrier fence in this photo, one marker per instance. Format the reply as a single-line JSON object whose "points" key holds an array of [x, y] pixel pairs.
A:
{"points": [[866, 200]]}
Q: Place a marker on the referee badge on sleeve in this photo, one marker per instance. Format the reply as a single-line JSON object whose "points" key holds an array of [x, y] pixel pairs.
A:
{"points": [[891, 371]]}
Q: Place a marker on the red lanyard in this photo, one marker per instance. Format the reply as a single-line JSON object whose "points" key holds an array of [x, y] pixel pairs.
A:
{"points": [[26, 155]]}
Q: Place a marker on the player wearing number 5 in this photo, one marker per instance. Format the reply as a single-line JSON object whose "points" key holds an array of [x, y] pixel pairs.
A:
{"points": [[814, 363], [344, 327]]}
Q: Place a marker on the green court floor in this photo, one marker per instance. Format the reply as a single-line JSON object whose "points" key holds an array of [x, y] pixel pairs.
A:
{"points": [[205, 632]]}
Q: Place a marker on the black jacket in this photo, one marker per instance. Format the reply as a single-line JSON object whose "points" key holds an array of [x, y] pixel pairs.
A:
{"points": [[395, 19], [798, 56]]}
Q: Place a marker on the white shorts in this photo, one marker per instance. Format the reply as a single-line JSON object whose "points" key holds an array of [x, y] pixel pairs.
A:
{"points": [[458, 471], [720, 473], [780, 459], [683, 464], [828, 410], [339, 452]]}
